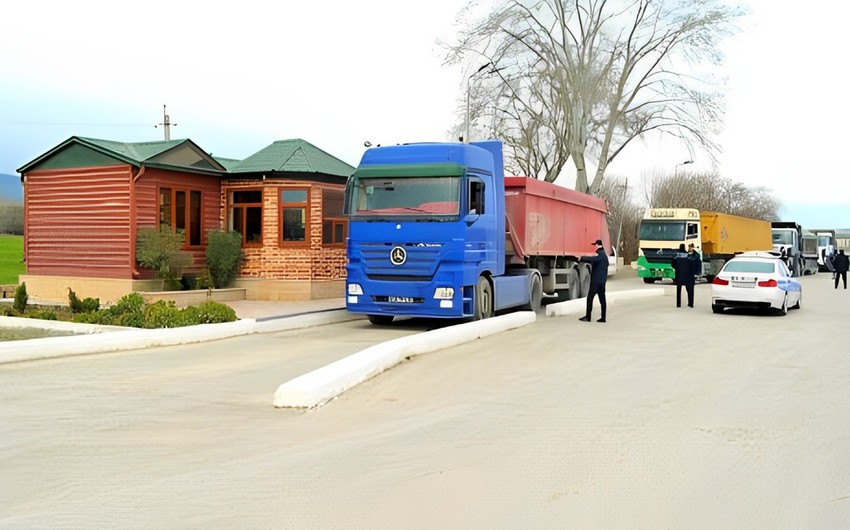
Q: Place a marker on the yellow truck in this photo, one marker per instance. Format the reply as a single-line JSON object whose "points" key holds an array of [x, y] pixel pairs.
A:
{"points": [[716, 236]]}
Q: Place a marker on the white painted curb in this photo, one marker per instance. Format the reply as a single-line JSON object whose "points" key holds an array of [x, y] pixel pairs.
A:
{"points": [[578, 306], [323, 384], [105, 339]]}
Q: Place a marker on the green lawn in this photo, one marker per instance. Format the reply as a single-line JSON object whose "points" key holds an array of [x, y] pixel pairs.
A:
{"points": [[11, 259]]}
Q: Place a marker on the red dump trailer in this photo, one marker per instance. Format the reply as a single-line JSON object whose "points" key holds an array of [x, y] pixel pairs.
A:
{"points": [[549, 229]]}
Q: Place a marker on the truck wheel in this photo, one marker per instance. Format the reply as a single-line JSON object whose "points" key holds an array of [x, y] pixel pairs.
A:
{"points": [[574, 284], [536, 295], [380, 320], [483, 299], [584, 280]]}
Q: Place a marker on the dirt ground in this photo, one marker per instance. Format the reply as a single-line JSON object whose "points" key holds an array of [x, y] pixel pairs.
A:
{"points": [[659, 418]]}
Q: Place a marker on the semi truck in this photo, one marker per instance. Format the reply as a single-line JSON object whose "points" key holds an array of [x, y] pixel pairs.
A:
{"points": [[716, 236], [798, 247], [436, 230], [826, 248]]}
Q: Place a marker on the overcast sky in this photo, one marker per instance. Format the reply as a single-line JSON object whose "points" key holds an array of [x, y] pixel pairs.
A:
{"points": [[237, 76]]}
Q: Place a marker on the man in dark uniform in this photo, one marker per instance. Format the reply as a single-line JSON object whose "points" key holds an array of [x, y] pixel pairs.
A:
{"points": [[684, 265], [598, 277], [841, 263]]}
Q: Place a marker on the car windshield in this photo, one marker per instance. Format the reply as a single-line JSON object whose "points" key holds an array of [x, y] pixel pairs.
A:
{"points": [[749, 266], [405, 196], [662, 230]]}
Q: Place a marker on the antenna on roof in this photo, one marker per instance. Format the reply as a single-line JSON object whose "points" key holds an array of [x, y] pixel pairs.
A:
{"points": [[166, 124]]}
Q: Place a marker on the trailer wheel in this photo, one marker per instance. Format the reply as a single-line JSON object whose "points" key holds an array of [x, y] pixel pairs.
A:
{"points": [[574, 285], [584, 280], [536, 295], [380, 320], [483, 299]]}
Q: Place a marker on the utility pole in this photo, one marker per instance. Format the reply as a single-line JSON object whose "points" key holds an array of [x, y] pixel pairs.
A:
{"points": [[166, 124]]}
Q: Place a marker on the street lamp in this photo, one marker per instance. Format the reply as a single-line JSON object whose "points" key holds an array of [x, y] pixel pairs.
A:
{"points": [[468, 81], [685, 163]]}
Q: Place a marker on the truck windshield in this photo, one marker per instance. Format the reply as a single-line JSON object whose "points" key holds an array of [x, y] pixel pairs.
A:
{"points": [[783, 237], [662, 230], [404, 196]]}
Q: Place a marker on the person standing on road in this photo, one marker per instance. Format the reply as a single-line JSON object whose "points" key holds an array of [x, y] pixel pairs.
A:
{"points": [[841, 263], [683, 265], [598, 277]]}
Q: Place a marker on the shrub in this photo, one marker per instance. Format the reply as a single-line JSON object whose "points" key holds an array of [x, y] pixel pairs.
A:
{"points": [[21, 298], [163, 314], [211, 312], [41, 314], [82, 306], [224, 256], [161, 251]]}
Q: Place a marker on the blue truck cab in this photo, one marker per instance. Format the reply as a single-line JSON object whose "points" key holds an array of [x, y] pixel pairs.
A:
{"points": [[427, 233]]}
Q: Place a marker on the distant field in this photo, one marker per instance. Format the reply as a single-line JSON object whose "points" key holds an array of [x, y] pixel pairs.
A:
{"points": [[11, 259]]}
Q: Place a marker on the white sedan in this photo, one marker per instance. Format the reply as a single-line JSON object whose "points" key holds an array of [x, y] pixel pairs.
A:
{"points": [[758, 280]]}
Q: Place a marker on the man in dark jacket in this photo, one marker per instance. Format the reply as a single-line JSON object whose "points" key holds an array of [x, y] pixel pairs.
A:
{"points": [[841, 263], [598, 277], [685, 265]]}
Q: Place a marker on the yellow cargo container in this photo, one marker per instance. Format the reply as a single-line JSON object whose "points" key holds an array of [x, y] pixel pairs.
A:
{"points": [[724, 235]]}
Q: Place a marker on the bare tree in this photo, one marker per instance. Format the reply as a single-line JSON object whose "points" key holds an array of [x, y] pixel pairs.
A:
{"points": [[624, 215], [581, 79], [708, 191], [11, 218]]}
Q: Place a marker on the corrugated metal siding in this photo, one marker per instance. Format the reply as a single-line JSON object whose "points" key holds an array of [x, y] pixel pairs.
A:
{"points": [[147, 202], [78, 222]]}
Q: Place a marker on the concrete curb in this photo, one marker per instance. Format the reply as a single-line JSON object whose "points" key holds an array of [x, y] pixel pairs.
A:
{"points": [[578, 306], [109, 339], [326, 383]]}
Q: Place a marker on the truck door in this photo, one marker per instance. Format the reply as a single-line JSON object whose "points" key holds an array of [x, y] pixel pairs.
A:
{"points": [[480, 237]]}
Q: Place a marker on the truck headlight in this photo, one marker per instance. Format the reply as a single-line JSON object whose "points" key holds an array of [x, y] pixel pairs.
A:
{"points": [[355, 289], [444, 293]]}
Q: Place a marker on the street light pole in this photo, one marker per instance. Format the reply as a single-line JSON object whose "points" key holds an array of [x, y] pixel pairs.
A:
{"points": [[468, 82], [676, 170]]}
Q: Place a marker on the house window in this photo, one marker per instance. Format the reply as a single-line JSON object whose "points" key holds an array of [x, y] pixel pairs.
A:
{"points": [[334, 224], [181, 210], [246, 215], [295, 224]]}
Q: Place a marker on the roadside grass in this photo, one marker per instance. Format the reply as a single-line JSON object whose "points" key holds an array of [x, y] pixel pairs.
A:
{"points": [[11, 259]]}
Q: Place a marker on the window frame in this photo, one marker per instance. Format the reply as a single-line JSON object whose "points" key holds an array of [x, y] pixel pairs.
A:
{"points": [[334, 221], [305, 206], [244, 206], [188, 194]]}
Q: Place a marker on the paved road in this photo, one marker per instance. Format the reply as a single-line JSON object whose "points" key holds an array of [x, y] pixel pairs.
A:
{"points": [[661, 418]]}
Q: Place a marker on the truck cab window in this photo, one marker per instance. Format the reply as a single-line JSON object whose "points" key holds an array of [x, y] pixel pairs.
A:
{"points": [[476, 197]]}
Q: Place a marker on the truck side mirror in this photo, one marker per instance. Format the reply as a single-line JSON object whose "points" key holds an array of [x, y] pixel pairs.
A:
{"points": [[470, 218]]}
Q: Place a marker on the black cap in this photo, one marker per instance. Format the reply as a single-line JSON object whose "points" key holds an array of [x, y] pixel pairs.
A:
{"points": [[597, 242]]}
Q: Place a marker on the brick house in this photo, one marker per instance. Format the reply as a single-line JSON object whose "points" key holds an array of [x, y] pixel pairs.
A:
{"points": [[86, 199]]}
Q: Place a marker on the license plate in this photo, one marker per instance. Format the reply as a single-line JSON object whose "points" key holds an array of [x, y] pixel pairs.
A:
{"points": [[401, 299]]}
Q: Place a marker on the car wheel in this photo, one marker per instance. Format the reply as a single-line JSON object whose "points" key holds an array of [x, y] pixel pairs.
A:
{"points": [[716, 308], [380, 320], [650, 280], [799, 304], [483, 299], [784, 309]]}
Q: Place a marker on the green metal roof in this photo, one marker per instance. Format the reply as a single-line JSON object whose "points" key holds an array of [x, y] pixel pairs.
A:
{"points": [[293, 156], [87, 152]]}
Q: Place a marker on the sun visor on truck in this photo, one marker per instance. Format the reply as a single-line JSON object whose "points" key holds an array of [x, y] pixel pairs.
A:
{"points": [[410, 170]]}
